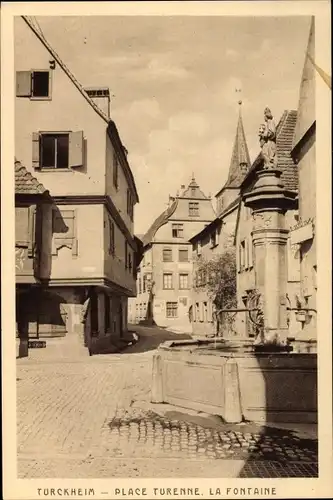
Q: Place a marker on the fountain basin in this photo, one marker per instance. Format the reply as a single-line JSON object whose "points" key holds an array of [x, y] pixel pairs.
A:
{"points": [[230, 380]]}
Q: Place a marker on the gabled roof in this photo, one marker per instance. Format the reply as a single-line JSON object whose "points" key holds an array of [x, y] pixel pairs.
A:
{"points": [[159, 222], [193, 191], [112, 128], [306, 115], [61, 63], [215, 224], [284, 139], [25, 183]]}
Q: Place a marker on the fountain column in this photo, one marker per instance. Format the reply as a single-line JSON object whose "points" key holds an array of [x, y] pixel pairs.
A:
{"points": [[269, 201]]}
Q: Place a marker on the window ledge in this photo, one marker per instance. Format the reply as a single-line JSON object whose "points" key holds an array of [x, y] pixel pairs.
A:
{"points": [[37, 98], [53, 170]]}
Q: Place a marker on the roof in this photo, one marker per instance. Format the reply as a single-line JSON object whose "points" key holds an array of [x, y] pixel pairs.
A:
{"points": [[284, 138], [239, 157], [25, 183], [159, 222], [193, 191], [306, 105], [206, 230]]}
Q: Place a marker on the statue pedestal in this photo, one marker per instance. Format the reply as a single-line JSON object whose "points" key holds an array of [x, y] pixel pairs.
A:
{"points": [[269, 202]]}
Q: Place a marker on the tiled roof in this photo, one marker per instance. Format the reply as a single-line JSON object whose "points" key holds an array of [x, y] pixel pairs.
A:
{"points": [[284, 139], [159, 222], [25, 183]]}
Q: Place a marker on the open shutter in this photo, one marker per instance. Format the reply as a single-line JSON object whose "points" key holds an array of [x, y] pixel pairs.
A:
{"points": [[76, 149], [32, 230], [23, 83], [22, 226], [35, 150]]}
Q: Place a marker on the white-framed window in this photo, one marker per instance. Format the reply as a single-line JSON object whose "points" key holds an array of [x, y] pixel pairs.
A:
{"points": [[193, 209], [167, 254], [171, 309], [183, 281], [167, 281], [177, 230], [183, 254], [35, 84]]}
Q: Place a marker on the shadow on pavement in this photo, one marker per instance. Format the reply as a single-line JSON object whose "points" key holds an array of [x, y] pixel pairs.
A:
{"points": [[150, 337]]}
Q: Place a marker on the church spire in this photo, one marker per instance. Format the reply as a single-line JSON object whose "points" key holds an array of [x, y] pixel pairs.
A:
{"points": [[240, 158]]}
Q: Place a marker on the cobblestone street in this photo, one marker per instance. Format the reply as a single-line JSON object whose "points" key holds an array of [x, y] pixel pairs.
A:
{"points": [[91, 417]]}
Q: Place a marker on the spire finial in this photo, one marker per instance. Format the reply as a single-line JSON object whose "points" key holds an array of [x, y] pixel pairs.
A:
{"points": [[239, 91]]}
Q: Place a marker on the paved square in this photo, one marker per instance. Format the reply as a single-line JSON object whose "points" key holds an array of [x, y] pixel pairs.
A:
{"points": [[91, 417]]}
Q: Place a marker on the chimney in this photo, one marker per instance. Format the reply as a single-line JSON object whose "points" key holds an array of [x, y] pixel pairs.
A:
{"points": [[182, 186], [101, 97]]}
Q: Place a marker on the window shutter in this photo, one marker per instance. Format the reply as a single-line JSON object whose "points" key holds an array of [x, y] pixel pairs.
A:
{"points": [[23, 83], [32, 230], [22, 226], [76, 149], [35, 150]]}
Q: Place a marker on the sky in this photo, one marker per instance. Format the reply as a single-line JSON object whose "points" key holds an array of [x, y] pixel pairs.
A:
{"points": [[173, 84]]}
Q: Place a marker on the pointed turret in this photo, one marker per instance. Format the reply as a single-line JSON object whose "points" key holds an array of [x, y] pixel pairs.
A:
{"points": [[240, 158], [306, 114], [239, 165]]}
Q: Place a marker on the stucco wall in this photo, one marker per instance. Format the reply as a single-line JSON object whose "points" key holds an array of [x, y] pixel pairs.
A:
{"points": [[66, 111], [119, 194], [114, 264], [89, 260]]}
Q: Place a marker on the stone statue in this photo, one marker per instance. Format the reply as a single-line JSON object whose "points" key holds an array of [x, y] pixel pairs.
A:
{"points": [[267, 140]]}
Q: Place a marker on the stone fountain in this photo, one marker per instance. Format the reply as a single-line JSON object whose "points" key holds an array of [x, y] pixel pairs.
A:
{"points": [[242, 380]]}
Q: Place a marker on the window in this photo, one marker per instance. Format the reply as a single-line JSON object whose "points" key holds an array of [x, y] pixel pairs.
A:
{"points": [[54, 150], [111, 238], [144, 283], [57, 150], [167, 281], [177, 230], [193, 192], [193, 208], [126, 254], [167, 254], [33, 84], [139, 283], [129, 204], [130, 264], [213, 239], [171, 309], [115, 170], [242, 255], [183, 281], [183, 255]]}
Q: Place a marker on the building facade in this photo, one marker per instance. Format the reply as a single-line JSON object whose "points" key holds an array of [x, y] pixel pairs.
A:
{"points": [[303, 234], [66, 139], [218, 237], [164, 279]]}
